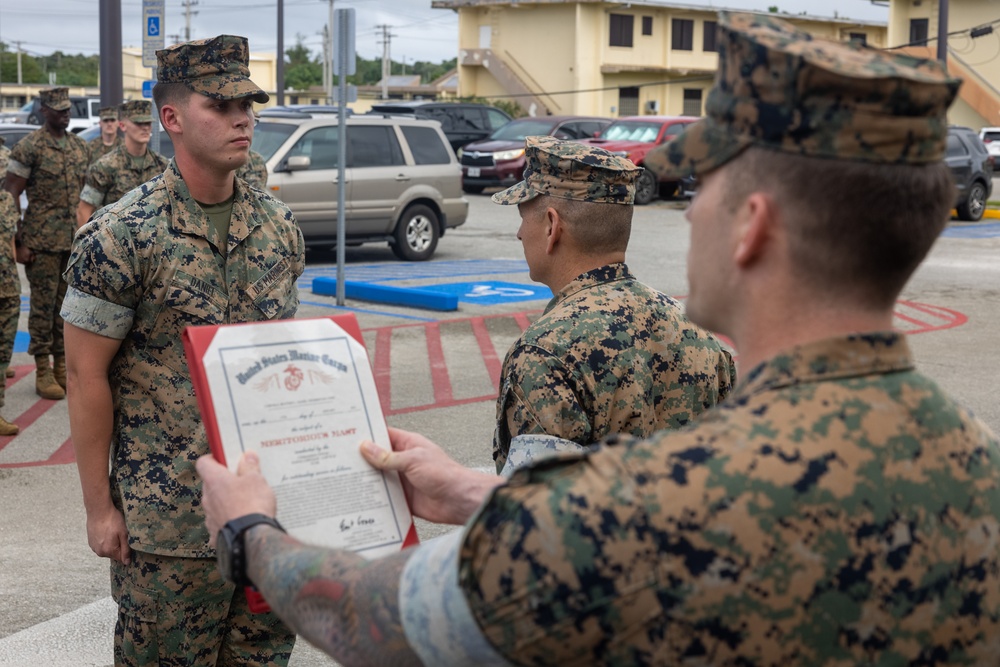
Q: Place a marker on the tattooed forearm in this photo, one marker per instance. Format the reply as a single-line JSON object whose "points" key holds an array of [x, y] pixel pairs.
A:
{"points": [[342, 603]]}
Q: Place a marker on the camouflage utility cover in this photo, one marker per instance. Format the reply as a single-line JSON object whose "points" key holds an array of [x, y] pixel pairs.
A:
{"points": [[609, 355], [116, 173], [54, 170], [837, 509], [569, 170], [216, 67], [137, 111], [55, 98], [781, 88], [141, 271], [108, 113]]}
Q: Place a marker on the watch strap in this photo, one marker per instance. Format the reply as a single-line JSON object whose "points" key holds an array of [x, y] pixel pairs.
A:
{"points": [[231, 538]]}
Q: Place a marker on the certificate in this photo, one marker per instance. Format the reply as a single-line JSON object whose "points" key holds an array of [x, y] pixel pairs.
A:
{"points": [[302, 395]]}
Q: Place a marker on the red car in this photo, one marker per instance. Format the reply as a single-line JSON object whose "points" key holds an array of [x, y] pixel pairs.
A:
{"points": [[633, 137], [498, 160]]}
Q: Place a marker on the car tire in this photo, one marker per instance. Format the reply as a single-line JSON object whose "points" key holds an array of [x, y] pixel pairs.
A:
{"points": [[974, 205], [416, 234], [473, 189], [645, 187]]}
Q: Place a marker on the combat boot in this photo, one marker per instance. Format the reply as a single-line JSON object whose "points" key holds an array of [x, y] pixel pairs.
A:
{"points": [[59, 370], [6, 428], [10, 372], [45, 383]]}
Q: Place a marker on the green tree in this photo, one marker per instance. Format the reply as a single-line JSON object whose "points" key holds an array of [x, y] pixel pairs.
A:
{"points": [[31, 70], [301, 69]]}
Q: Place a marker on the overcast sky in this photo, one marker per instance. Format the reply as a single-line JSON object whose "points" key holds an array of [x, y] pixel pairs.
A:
{"points": [[419, 32]]}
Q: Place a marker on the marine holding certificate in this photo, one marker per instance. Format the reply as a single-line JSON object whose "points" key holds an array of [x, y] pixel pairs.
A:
{"points": [[193, 246]]}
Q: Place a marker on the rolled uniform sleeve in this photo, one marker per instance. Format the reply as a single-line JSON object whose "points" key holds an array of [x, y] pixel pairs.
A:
{"points": [[100, 295], [95, 186], [539, 396], [17, 168]]}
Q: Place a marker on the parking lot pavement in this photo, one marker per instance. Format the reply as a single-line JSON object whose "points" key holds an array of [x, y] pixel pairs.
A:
{"points": [[437, 375]]}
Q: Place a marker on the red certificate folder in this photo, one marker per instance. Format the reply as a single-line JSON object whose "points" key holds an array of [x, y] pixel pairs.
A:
{"points": [[237, 368]]}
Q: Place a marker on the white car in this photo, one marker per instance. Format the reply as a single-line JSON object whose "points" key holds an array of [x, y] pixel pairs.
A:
{"points": [[991, 139]]}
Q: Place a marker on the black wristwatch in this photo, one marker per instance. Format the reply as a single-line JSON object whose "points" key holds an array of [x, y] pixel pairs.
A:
{"points": [[231, 550]]}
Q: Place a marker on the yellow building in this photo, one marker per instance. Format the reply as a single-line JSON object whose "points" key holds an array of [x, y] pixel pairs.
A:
{"points": [[603, 58], [972, 52]]}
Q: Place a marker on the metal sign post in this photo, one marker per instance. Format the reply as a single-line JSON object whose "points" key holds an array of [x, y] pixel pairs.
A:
{"points": [[345, 64], [152, 41]]}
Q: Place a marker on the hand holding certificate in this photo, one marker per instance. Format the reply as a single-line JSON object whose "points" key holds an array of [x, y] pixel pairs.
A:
{"points": [[301, 394]]}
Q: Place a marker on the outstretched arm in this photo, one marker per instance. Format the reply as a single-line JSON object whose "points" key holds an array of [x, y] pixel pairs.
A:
{"points": [[342, 603]]}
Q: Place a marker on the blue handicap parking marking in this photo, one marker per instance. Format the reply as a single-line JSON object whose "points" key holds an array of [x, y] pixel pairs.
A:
{"points": [[977, 231], [419, 270], [21, 340], [490, 292]]}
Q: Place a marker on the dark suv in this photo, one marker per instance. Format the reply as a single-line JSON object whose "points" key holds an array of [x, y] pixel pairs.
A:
{"points": [[972, 168], [462, 122]]}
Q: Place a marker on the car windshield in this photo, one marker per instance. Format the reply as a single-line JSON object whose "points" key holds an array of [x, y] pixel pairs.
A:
{"points": [[632, 131], [517, 130], [268, 137], [991, 136]]}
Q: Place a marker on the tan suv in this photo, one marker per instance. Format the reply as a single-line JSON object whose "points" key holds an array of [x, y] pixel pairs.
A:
{"points": [[404, 184]]}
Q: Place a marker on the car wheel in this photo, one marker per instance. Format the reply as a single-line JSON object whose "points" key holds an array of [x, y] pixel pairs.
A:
{"points": [[645, 187], [473, 189], [416, 234], [975, 203]]}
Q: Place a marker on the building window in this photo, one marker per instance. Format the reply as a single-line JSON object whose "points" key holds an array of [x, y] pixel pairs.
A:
{"points": [[711, 28], [621, 29], [692, 102], [628, 101], [918, 32], [647, 25], [859, 38], [682, 34]]}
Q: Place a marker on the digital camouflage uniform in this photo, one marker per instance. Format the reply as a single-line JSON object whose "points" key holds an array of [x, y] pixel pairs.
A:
{"points": [[254, 171], [10, 284], [4, 159], [142, 270], [837, 509], [609, 355], [116, 173], [54, 171]]}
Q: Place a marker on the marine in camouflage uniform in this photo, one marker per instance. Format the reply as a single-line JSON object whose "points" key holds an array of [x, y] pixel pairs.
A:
{"points": [[10, 295], [609, 354], [4, 159], [50, 164], [128, 166], [254, 172], [97, 148], [837, 509], [142, 270]]}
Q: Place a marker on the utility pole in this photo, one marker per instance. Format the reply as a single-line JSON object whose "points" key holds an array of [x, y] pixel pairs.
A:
{"points": [[173, 39], [942, 45], [19, 81], [188, 4], [111, 52], [386, 40]]}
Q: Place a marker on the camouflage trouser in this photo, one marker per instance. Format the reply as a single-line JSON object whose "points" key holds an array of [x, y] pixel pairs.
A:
{"points": [[175, 612], [47, 291], [10, 310]]}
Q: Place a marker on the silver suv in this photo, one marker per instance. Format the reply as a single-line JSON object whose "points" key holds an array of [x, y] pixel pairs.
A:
{"points": [[404, 184]]}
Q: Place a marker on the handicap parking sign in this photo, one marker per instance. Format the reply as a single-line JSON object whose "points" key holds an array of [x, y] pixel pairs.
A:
{"points": [[153, 26]]}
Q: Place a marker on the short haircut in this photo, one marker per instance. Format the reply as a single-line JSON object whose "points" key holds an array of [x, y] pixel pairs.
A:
{"points": [[176, 94], [597, 227], [856, 229]]}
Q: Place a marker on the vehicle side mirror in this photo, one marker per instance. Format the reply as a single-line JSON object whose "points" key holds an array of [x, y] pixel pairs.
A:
{"points": [[298, 163]]}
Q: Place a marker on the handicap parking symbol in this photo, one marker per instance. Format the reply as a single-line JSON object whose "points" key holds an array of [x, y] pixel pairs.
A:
{"points": [[492, 292], [153, 28]]}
